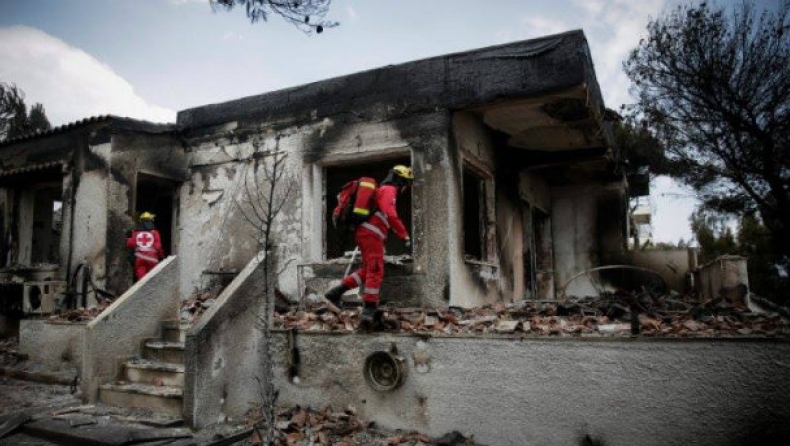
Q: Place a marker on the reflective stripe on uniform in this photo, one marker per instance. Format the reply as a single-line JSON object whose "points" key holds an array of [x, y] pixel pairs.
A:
{"points": [[361, 211], [367, 184], [371, 291], [383, 218], [140, 248], [357, 279], [145, 257], [374, 229]]}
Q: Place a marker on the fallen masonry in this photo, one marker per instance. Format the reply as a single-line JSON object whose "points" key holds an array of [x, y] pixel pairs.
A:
{"points": [[669, 316], [298, 426]]}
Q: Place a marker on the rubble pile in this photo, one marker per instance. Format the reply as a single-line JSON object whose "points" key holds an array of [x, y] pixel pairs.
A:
{"points": [[668, 316], [305, 426], [193, 307], [9, 351], [80, 314]]}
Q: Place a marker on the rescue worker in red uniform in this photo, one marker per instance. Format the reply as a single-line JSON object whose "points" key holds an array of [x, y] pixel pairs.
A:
{"points": [[371, 236], [147, 245]]}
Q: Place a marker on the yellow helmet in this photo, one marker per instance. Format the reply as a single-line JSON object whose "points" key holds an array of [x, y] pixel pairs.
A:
{"points": [[147, 216], [403, 172]]}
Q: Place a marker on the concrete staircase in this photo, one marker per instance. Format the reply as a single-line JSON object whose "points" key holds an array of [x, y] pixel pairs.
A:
{"points": [[155, 381]]}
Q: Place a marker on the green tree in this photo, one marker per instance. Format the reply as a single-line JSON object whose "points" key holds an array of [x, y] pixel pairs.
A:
{"points": [[307, 15], [713, 234], [37, 118], [767, 276], [14, 118], [713, 88]]}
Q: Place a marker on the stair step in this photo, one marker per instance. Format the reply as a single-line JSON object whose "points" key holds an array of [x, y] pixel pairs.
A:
{"points": [[163, 399], [161, 351], [176, 324], [175, 331], [155, 373]]}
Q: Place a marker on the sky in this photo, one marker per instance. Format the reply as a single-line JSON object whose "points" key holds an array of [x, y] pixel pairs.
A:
{"points": [[148, 59]]}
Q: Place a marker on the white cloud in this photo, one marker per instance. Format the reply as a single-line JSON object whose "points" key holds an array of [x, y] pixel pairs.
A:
{"points": [[70, 83], [537, 26], [185, 2], [352, 14], [232, 35]]}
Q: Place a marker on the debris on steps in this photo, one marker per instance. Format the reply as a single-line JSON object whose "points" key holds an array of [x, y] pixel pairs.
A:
{"points": [[80, 314], [193, 307]]}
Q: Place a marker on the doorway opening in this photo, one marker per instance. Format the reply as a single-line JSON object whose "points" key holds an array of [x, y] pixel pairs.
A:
{"points": [[159, 196]]}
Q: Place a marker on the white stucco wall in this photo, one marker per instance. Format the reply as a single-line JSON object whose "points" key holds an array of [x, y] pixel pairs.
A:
{"points": [[511, 391]]}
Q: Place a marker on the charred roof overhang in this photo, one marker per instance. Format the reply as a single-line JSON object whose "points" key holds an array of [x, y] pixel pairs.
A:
{"points": [[561, 136], [560, 121], [51, 172]]}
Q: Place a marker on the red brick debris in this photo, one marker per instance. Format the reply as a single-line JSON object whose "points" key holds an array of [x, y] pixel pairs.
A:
{"points": [[9, 351], [668, 316], [80, 314], [299, 426], [193, 307]]}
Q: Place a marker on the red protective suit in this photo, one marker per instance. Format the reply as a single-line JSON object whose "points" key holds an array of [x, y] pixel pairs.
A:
{"points": [[147, 251], [370, 237]]}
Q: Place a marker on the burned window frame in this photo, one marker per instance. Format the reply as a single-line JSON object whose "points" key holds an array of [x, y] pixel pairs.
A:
{"points": [[486, 205]]}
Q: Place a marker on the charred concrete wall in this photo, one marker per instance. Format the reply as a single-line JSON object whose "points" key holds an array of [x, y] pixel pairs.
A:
{"points": [[228, 165], [478, 279], [90, 203], [511, 391], [134, 154], [588, 230]]}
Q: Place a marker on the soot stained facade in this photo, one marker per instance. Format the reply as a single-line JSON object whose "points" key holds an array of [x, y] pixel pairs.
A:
{"points": [[517, 187]]}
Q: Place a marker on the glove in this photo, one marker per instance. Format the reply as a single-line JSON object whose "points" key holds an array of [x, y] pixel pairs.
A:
{"points": [[408, 242]]}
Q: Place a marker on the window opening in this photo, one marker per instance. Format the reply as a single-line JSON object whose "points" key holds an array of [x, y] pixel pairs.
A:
{"points": [[47, 211], [339, 241], [474, 215]]}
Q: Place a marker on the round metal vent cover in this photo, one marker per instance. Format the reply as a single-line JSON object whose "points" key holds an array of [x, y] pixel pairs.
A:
{"points": [[384, 371]]}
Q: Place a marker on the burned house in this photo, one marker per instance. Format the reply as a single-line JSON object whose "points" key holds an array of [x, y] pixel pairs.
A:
{"points": [[518, 189]]}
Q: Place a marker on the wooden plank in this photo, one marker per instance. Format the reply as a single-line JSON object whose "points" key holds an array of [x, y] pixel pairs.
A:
{"points": [[11, 423], [231, 439], [145, 435], [59, 431]]}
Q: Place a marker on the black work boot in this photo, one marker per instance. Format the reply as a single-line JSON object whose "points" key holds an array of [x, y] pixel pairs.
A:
{"points": [[334, 294], [368, 314]]}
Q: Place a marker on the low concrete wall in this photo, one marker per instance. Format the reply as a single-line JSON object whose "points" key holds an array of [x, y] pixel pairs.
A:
{"points": [[118, 331], [56, 346], [726, 272], [674, 265], [507, 391], [223, 352]]}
